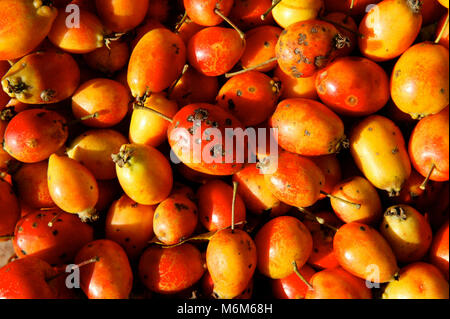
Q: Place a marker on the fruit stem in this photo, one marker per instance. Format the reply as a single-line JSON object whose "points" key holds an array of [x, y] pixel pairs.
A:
{"points": [[319, 220], [235, 186], [89, 215], [84, 118], [181, 22], [297, 272], [141, 107], [441, 33], [352, 5], [358, 206], [82, 264], [274, 4], [220, 14], [174, 84], [50, 223], [423, 186], [229, 75]]}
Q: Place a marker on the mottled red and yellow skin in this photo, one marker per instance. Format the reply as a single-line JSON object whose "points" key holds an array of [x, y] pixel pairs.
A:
{"points": [[353, 86], [256, 194], [9, 209], [142, 30], [280, 242], [307, 46], [444, 38], [331, 169], [26, 278], [182, 138], [33, 135], [43, 77], [207, 286], [202, 11], [72, 186], [88, 37], [22, 31], [288, 12], [260, 47], [421, 90], [347, 23], [214, 51], [363, 252], [194, 87], [408, 232], [379, 43], [170, 270], [246, 14], [31, 184], [93, 149], [336, 283], [297, 181], [156, 62], [109, 60], [121, 15], [439, 250], [429, 144], [231, 259], [175, 219], [108, 278], [359, 6], [57, 244], [251, 97], [292, 88], [215, 199], [322, 255], [418, 281], [130, 224], [292, 287], [357, 190], [307, 127]]}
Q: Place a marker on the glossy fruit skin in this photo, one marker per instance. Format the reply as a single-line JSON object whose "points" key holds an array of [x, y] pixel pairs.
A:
{"points": [[418, 281], [146, 176], [107, 97], [429, 144], [297, 181], [336, 283], [441, 25], [214, 51], [444, 3], [202, 11], [207, 288], [307, 127], [357, 190], [31, 184], [26, 278], [359, 7], [260, 47], [9, 208], [88, 37], [206, 157], [215, 200], [306, 46], [121, 15], [292, 88], [289, 12], [72, 186], [156, 62], [175, 219], [23, 31], [439, 250], [246, 14], [256, 194], [364, 253], [331, 169], [130, 224], [93, 149], [251, 97], [110, 277], [423, 89], [407, 232], [231, 259], [56, 245], [42, 78], [280, 242], [109, 60], [170, 270], [343, 89], [292, 287], [142, 30], [33, 135], [386, 165], [148, 128], [388, 15]]}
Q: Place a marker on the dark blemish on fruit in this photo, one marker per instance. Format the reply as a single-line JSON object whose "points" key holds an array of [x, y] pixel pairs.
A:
{"points": [[351, 100], [223, 97], [395, 150], [89, 245], [250, 266], [91, 187], [442, 90], [370, 129], [266, 44], [362, 228], [316, 250], [156, 215], [397, 73], [177, 49], [239, 93], [23, 252], [228, 122], [215, 124], [251, 89], [40, 114], [55, 232], [34, 225], [117, 229], [127, 239], [180, 206], [386, 226], [320, 61], [134, 205], [307, 133], [231, 104], [207, 218]]}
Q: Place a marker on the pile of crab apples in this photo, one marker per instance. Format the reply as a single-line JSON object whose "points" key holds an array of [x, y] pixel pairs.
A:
{"points": [[112, 114]]}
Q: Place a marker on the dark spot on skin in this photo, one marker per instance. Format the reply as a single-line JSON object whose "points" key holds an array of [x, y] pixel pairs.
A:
{"points": [[231, 105], [156, 215], [117, 229], [180, 206], [397, 73], [34, 225], [370, 129], [127, 239], [223, 97], [386, 226], [249, 266], [91, 187], [307, 133], [23, 252], [314, 30], [134, 205], [442, 91], [316, 250], [40, 114], [395, 150], [63, 256], [362, 228], [239, 93], [266, 44], [55, 232], [251, 89], [228, 122]]}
